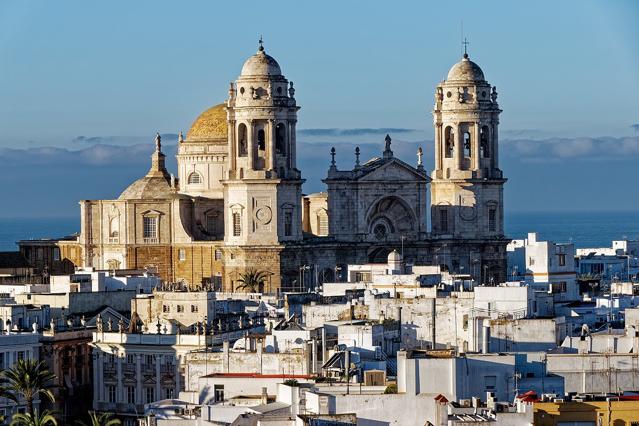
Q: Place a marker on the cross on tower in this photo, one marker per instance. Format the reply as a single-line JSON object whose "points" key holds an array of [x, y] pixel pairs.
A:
{"points": [[465, 43], [261, 41]]}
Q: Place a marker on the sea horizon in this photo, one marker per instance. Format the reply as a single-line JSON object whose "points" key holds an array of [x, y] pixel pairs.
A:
{"points": [[584, 229]]}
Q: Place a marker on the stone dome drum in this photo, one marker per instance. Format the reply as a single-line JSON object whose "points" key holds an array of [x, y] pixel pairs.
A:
{"points": [[211, 124], [465, 70]]}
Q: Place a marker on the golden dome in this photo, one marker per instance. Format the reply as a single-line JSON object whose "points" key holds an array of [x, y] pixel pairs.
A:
{"points": [[211, 124]]}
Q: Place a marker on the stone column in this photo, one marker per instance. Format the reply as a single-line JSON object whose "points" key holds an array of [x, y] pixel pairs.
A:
{"points": [[293, 144], [459, 147], [438, 147], [100, 367], [233, 145], [475, 146], [250, 144], [158, 377], [119, 391], [495, 150], [271, 144], [178, 360], [139, 391], [96, 380]]}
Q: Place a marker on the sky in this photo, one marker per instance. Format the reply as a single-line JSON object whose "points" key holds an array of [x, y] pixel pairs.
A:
{"points": [[84, 86]]}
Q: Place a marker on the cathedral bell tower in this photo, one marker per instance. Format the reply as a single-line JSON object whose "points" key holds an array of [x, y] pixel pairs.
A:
{"points": [[263, 187], [467, 185]]}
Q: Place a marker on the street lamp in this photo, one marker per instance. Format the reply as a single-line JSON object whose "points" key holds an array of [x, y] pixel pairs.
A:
{"points": [[303, 270], [338, 270]]}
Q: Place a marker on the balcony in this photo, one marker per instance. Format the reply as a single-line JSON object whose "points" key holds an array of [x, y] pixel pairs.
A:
{"points": [[114, 240], [151, 240]]}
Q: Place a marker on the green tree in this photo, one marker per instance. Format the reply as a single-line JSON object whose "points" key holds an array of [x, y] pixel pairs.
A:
{"points": [[27, 379], [101, 419], [45, 418], [252, 280]]}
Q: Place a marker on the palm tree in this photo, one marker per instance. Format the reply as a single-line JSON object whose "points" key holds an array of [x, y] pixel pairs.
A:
{"points": [[36, 419], [101, 419], [27, 379], [252, 280]]}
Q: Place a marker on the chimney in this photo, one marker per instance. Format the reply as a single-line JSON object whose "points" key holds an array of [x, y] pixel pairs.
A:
{"points": [[264, 396]]}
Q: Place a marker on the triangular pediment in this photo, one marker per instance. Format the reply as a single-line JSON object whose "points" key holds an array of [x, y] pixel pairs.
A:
{"points": [[393, 170]]}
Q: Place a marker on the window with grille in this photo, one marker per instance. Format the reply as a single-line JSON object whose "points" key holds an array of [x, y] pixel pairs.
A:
{"points": [[195, 178], [150, 227], [237, 226], [443, 220], [180, 308], [492, 220], [166, 308], [322, 220]]}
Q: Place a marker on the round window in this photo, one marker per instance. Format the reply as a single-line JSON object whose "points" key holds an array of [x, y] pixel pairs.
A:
{"points": [[448, 94], [483, 94], [242, 90]]}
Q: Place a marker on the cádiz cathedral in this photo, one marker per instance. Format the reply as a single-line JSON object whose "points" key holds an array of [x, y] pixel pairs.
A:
{"points": [[236, 203]]}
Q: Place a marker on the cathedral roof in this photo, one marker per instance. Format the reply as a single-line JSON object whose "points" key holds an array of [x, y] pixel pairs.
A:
{"points": [[261, 64], [465, 70], [156, 185], [211, 124]]}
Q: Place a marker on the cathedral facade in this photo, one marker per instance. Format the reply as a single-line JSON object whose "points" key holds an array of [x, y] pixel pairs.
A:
{"points": [[237, 203]]}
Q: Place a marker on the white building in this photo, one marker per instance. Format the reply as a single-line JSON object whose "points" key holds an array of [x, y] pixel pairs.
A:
{"points": [[14, 347], [90, 280]]}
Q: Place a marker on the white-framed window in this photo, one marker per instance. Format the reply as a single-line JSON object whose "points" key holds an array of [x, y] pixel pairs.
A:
{"points": [[194, 178], [194, 308], [150, 228], [182, 254], [218, 254], [180, 308]]}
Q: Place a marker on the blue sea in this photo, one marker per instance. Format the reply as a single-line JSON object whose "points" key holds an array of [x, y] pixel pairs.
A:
{"points": [[585, 229]]}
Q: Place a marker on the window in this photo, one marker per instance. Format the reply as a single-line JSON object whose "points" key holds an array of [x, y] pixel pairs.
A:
{"points": [[148, 359], [467, 145], [168, 393], [237, 226], [180, 308], [449, 138], [195, 178], [218, 393], [130, 394], [194, 308], [242, 150], [288, 223], [150, 228], [380, 231], [490, 383], [166, 309], [2, 366], [218, 254], [484, 148], [214, 224], [20, 355], [562, 259], [492, 220], [56, 254], [182, 255], [130, 359], [150, 394], [111, 393], [443, 220], [531, 261], [559, 287], [280, 139], [261, 141]]}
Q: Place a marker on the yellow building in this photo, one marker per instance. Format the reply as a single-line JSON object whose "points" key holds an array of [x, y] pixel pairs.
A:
{"points": [[622, 411]]}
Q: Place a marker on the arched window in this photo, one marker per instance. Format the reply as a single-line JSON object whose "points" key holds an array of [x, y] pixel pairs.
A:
{"points": [[114, 227], [194, 178], [261, 141], [467, 145], [484, 146], [280, 139], [449, 142], [242, 144], [322, 222]]}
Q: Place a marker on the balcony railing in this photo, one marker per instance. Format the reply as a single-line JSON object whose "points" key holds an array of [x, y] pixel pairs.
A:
{"points": [[114, 240], [150, 240]]}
